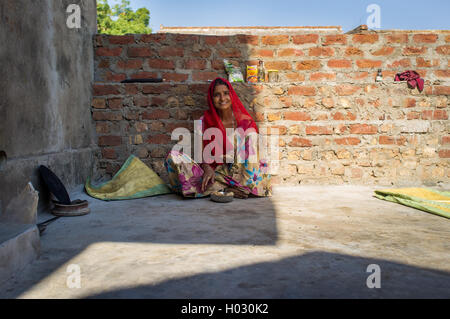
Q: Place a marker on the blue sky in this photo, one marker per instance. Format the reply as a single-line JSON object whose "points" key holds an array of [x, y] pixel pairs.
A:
{"points": [[394, 14]]}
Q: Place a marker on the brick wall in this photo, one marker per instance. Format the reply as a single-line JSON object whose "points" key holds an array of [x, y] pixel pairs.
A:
{"points": [[337, 124]]}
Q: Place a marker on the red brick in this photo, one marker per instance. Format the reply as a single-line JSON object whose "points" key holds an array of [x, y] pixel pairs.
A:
{"points": [[161, 64], [365, 38], [368, 63], [440, 115], [403, 63], [353, 51], [422, 63], [108, 51], [413, 115], [159, 139], [338, 116], [384, 51], [441, 90], [300, 142], [153, 37], [305, 38], [302, 90], [397, 38], [248, 39], [121, 39], [156, 88], [213, 40], [158, 101], [414, 50], [319, 76], [444, 153], [98, 103], [444, 50], [363, 129], [130, 64], [319, 130], [131, 115], [445, 140], [140, 52], [176, 77], [319, 51], [278, 65], [115, 104], [171, 52], [339, 63], [409, 102], [187, 38], [199, 88], [309, 65], [103, 64], [275, 39], [391, 140], [102, 127], [156, 115], [100, 89], [295, 76], [262, 53], [425, 38], [204, 76], [442, 73], [347, 89], [357, 75], [286, 100], [131, 89], [230, 53], [387, 74], [109, 153], [109, 140], [335, 39], [297, 116], [141, 101], [290, 52], [347, 141], [217, 64], [144, 75], [203, 53], [115, 77]]}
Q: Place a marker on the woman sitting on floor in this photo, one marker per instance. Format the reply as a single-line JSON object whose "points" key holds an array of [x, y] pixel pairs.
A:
{"points": [[244, 177]]}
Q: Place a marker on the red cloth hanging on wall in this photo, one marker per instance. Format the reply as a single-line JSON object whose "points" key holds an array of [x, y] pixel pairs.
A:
{"points": [[413, 78]]}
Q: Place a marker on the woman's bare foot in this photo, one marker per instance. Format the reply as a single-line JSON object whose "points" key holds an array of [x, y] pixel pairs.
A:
{"points": [[237, 193]]}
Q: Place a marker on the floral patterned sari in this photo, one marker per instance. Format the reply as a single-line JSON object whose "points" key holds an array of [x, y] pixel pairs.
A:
{"points": [[185, 176]]}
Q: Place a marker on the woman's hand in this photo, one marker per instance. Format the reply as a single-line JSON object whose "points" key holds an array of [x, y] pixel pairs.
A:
{"points": [[208, 176]]}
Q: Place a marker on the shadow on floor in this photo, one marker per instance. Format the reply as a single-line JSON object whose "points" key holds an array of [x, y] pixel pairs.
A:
{"points": [[312, 275], [167, 219]]}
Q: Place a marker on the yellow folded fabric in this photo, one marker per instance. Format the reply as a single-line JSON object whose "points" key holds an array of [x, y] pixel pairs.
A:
{"points": [[133, 180], [426, 199]]}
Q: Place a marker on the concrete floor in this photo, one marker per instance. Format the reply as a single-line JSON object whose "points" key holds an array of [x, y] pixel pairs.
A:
{"points": [[304, 242]]}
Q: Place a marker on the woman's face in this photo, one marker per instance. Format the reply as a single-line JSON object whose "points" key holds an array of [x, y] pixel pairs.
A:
{"points": [[221, 97]]}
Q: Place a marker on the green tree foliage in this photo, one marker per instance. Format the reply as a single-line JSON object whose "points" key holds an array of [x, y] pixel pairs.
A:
{"points": [[120, 19]]}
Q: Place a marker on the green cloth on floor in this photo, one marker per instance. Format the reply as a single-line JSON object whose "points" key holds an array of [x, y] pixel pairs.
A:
{"points": [[428, 200], [133, 180]]}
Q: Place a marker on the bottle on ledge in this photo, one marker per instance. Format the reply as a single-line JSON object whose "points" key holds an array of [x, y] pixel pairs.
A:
{"points": [[379, 77], [261, 72]]}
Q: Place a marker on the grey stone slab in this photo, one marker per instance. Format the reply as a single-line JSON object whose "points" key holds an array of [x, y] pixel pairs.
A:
{"points": [[19, 246]]}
